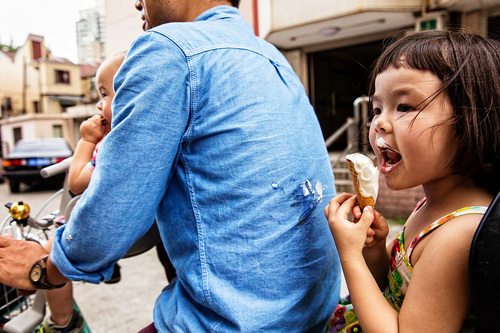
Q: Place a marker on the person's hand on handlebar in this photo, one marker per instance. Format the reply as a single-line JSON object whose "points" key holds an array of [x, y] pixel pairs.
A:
{"points": [[17, 257]]}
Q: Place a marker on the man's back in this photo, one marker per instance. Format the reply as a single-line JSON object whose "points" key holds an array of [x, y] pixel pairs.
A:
{"points": [[220, 133]]}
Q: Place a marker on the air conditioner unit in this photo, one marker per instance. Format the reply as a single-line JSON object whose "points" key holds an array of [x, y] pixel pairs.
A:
{"points": [[431, 21]]}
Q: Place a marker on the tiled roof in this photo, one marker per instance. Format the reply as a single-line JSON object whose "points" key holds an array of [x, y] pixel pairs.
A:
{"points": [[11, 55], [89, 69]]}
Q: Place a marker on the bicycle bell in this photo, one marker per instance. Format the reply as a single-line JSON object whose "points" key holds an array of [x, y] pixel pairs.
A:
{"points": [[19, 211]]}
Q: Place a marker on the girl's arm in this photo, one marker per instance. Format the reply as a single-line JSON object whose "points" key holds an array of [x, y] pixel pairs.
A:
{"points": [[377, 260], [438, 297], [375, 251], [373, 311], [92, 131]]}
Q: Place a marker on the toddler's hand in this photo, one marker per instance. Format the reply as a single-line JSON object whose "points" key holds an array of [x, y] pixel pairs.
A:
{"points": [[93, 129]]}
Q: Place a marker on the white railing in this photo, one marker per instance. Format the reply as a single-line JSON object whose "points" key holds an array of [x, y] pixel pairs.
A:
{"points": [[352, 128]]}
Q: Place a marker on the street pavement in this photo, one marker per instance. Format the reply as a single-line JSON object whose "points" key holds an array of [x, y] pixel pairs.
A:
{"points": [[126, 306]]}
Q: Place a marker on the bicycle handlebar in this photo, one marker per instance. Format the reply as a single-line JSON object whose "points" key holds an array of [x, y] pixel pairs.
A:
{"points": [[57, 168]]}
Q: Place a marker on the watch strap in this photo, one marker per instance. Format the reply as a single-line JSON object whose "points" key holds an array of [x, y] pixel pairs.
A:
{"points": [[42, 282]]}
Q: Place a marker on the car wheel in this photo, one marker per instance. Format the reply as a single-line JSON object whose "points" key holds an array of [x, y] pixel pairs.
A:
{"points": [[14, 186]]}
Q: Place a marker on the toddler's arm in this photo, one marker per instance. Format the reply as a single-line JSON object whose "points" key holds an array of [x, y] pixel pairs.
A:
{"points": [[92, 131]]}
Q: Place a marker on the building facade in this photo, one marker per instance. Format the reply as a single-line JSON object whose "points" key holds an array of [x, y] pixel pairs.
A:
{"points": [[36, 91], [91, 33]]}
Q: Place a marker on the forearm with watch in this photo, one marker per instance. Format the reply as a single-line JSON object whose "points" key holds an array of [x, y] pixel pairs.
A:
{"points": [[45, 275]]}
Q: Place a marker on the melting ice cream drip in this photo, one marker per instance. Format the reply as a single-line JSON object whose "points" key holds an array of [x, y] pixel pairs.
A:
{"points": [[317, 190], [381, 143]]}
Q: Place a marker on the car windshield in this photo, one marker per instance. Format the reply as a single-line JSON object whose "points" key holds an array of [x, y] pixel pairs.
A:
{"points": [[41, 148], [27, 147]]}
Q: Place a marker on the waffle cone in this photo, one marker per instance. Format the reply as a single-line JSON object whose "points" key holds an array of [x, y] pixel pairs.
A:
{"points": [[362, 200]]}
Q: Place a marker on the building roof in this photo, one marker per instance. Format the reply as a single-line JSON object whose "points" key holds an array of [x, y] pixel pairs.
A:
{"points": [[89, 69], [9, 54]]}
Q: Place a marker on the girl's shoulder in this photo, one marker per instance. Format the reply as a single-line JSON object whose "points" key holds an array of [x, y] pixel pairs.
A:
{"points": [[456, 226], [451, 232]]}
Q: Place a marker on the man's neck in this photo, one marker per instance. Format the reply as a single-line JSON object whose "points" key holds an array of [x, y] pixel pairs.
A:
{"points": [[196, 8]]}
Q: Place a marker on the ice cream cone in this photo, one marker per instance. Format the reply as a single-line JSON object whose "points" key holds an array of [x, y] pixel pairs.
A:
{"points": [[362, 199]]}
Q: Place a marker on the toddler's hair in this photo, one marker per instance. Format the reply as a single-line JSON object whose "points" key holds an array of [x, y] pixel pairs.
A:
{"points": [[468, 64]]}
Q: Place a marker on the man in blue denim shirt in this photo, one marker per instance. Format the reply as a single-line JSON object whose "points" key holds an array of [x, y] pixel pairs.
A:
{"points": [[214, 136]]}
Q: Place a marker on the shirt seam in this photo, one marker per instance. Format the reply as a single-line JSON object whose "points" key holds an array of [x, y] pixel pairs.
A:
{"points": [[192, 85]]}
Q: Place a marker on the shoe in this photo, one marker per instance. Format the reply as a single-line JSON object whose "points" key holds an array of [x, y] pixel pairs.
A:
{"points": [[116, 277], [75, 325]]}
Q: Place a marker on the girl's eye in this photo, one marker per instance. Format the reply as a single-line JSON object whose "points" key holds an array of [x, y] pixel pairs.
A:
{"points": [[376, 111], [404, 108]]}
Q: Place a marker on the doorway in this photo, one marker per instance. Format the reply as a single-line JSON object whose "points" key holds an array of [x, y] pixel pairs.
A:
{"points": [[337, 78]]}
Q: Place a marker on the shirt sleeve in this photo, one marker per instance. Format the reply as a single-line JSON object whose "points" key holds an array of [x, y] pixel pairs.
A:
{"points": [[135, 162]]}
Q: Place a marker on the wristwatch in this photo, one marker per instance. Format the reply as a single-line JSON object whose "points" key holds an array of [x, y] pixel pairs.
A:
{"points": [[38, 275]]}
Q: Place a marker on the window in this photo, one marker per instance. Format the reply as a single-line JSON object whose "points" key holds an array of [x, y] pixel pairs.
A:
{"points": [[57, 131], [18, 134], [494, 27], [36, 107], [62, 77], [6, 104], [37, 49]]}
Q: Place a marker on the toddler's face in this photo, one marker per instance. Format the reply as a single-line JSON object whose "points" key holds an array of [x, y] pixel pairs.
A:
{"points": [[105, 87], [409, 132]]}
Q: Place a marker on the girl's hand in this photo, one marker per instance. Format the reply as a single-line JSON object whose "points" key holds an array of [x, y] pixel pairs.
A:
{"points": [[350, 236], [378, 231], [94, 129]]}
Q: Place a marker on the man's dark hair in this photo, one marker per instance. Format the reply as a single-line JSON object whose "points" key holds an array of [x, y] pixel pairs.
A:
{"points": [[235, 3]]}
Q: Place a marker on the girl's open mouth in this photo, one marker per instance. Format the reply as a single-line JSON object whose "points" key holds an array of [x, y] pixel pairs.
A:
{"points": [[391, 158]]}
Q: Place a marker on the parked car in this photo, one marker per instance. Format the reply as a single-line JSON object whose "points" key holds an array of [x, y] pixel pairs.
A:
{"points": [[29, 156]]}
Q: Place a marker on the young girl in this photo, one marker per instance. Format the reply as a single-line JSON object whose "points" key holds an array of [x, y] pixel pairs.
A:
{"points": [[436, 99]]}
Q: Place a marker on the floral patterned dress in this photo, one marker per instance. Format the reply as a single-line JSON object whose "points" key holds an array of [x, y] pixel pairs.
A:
{"points": [[344, 319]]}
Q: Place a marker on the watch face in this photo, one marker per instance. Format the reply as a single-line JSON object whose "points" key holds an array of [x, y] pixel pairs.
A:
{"points": [[36, 273]]}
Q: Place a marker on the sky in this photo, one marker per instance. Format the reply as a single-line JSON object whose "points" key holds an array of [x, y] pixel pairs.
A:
{"points": [[53, 19]]}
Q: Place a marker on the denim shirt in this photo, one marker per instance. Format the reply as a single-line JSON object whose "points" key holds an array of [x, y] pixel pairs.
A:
{"points": [[214, 137]]}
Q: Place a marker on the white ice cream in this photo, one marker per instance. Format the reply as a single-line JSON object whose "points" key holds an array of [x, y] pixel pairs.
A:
{"points": [[381, 143], [367, 174]]}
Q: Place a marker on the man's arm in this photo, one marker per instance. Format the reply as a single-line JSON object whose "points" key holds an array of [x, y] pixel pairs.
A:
{"points": [[17, 257], [134, 163]]}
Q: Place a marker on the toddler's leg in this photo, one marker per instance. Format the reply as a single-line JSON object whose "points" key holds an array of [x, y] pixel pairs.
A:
{"points": [[60, 302]]}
